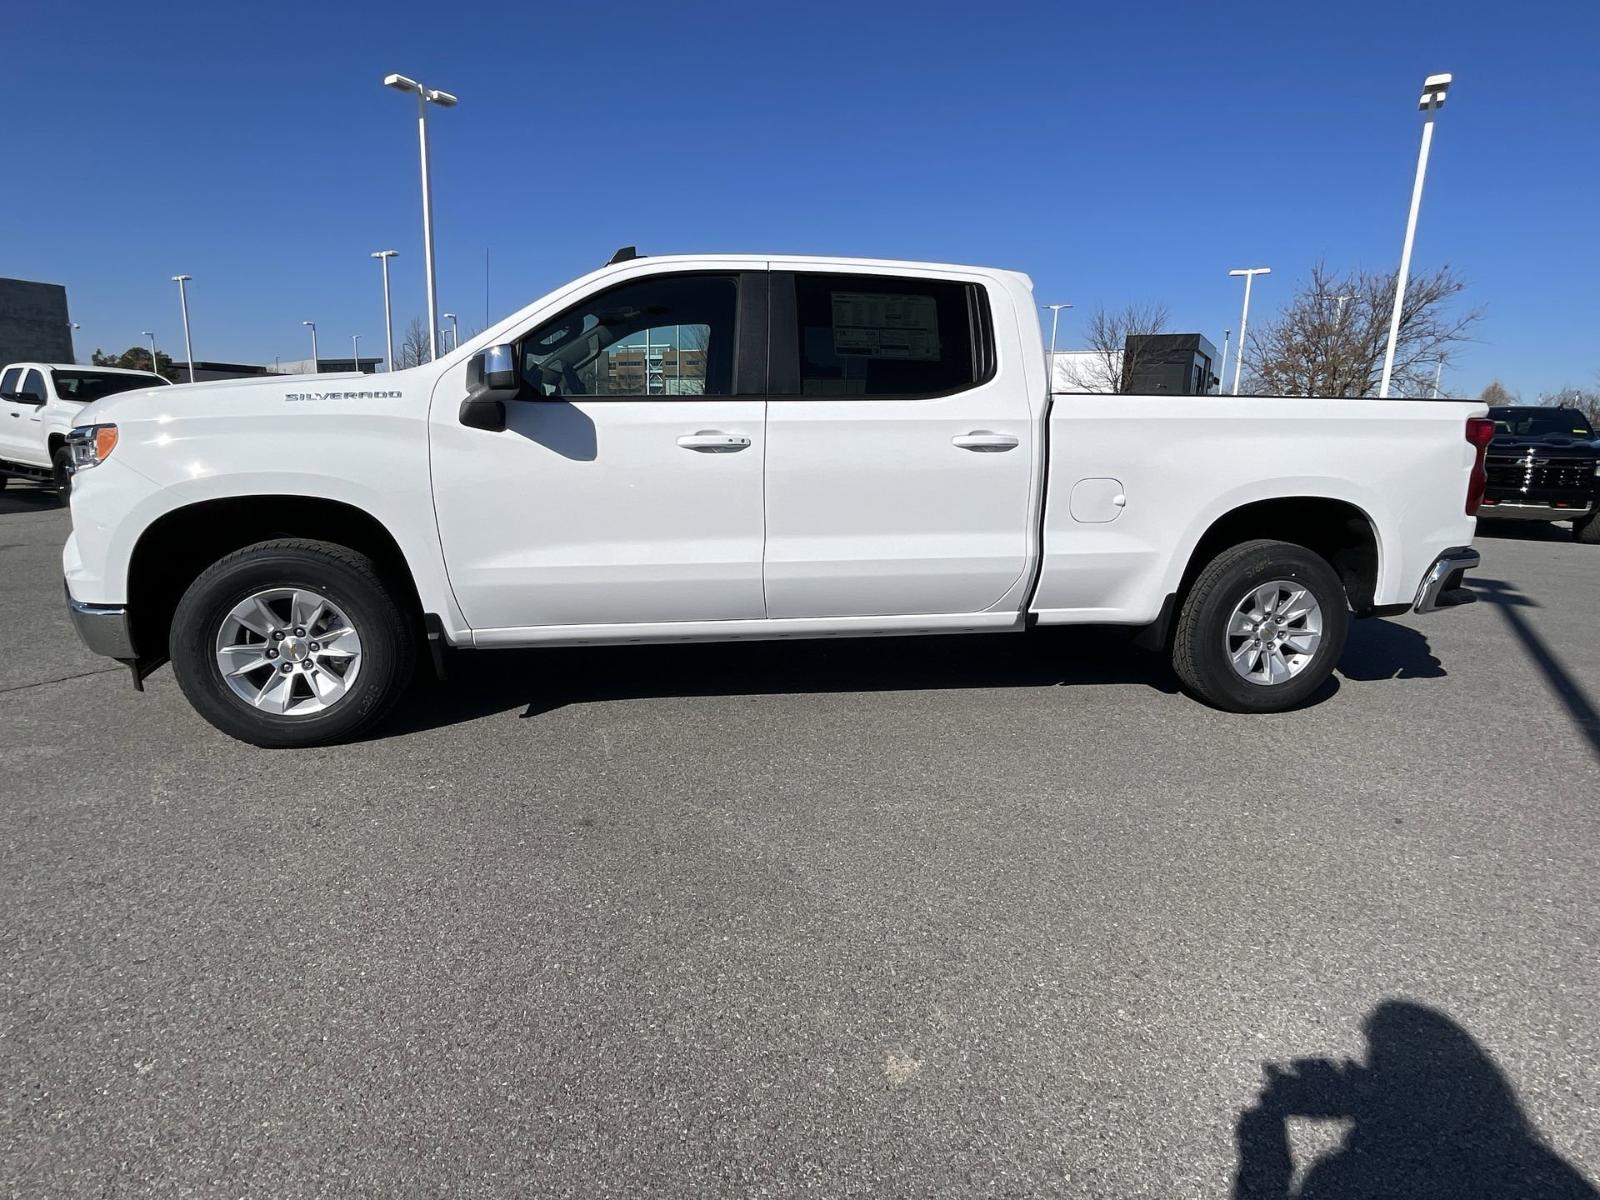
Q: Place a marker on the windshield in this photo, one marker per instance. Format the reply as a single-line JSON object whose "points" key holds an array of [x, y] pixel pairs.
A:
{"points": [[1540, 422], [92, 385]]}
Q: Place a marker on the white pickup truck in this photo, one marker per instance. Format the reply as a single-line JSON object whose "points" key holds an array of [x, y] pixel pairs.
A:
{"points": [[717, 448], [39, 405]]}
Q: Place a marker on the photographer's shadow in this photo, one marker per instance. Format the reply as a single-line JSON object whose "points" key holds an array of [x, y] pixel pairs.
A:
{"points": [[1431, 1116]]}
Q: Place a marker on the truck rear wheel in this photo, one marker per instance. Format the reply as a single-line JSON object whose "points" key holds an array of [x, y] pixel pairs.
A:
{"points": [[291, 643], [1587, 530], [1261, 629]]}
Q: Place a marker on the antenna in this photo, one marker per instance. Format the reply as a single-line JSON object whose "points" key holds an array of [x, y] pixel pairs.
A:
{"points": [[624, 255]]}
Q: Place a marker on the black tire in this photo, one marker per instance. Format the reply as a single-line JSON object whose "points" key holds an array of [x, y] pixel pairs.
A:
{"points": [[345, 577], [61, 472], [1587, 530], [1200, 649]]}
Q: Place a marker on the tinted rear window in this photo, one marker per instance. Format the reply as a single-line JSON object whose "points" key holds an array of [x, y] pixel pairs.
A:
{"points": [[92, 385], [880, 335]]}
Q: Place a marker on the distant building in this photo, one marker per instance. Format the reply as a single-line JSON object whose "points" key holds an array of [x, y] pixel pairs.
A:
{"points": [[205, 372], [324, 366], [1177, 364], [34, 325]]}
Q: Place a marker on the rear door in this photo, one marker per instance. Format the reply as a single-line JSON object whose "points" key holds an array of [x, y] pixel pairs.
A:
{"points": [[899, 447]]}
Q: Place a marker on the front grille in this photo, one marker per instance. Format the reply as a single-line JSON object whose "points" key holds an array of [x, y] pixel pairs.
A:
{"points": [[1541, 474]]}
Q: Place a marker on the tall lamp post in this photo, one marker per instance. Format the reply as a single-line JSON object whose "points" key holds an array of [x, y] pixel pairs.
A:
{"points": [[1434, 88], [425, 97], [183, 299], [315, 364], [1222, 373], [355, 351], [384, 256], [1249, 274], [152, 337], [72, 328], [455, 330], [1055, 320]]}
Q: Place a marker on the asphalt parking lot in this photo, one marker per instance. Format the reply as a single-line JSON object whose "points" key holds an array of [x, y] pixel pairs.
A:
{"points": [[961, 916]]}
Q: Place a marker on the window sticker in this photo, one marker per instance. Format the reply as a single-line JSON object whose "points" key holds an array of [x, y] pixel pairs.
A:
{"points": [[886, 325]]}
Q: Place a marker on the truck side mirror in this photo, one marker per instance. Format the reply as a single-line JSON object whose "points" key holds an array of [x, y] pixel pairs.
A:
{"points": [[491, 381]]}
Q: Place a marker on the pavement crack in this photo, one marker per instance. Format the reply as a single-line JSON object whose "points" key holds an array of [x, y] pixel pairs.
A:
{"points": [[22, 687]]}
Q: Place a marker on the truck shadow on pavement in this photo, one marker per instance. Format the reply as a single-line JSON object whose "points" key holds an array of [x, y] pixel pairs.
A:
{"points": [[1510, 602], [541, 681], [1430, 1116], [27, 498]]}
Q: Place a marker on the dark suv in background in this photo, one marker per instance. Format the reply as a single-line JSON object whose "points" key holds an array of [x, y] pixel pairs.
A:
{"points": [[1542, 467]]}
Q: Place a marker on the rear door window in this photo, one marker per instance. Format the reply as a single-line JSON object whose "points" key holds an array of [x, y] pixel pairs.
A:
{"points": [[866, 336]]}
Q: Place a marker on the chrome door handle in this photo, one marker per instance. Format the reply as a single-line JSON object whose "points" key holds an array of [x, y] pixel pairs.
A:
{"points": [[714, 441], [985, 442]]}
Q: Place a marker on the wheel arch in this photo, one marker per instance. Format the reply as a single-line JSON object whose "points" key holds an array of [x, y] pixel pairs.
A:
{"points": [[1338, 530], [174, 548]]}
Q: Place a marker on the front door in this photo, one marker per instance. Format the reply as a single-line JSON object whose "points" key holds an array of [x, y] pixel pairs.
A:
{"points": [[626, 487], [899, 448], [21, 439]]}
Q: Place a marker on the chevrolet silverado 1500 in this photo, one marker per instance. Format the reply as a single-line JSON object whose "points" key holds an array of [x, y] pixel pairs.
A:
{"points": [[718, 448]]}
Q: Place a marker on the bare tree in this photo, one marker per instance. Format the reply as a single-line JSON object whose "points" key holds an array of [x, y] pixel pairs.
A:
{"points": [[1330, 339], [1112, 363], [1585, 400], [1498, 394], [413, 349]]}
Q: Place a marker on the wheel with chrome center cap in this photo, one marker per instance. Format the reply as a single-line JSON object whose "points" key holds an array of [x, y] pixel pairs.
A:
{"points": [[289, 651], [1274, 632], [292, 643], [1261, 627]]}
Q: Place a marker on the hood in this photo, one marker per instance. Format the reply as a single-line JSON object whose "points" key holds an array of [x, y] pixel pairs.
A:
{"points": [[236, 395]]}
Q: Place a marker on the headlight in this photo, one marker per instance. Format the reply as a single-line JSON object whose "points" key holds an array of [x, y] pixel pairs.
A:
{"points": [[91, 445]]}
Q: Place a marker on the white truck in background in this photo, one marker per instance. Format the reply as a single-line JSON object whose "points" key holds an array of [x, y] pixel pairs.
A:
{"points": [[39, 405], [720, 448]]}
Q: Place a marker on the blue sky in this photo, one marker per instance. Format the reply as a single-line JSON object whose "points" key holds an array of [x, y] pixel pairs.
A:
{"points": [[1116, 153]]}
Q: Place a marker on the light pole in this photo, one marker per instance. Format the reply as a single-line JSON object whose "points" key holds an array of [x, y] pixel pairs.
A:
{"points": [[1055, 319], [72, 328], [1438, 374], [1249, 274], [183, 299], [1433, 89], [152, 338], [315, 365], [1222, 373], [355, 351], [425, 96], [384, 256], [455, 330]]}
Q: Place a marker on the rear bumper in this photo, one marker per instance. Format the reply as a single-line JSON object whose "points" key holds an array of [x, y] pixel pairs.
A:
{"points": [[1441, 586], [1500, 510], [104, 628]]}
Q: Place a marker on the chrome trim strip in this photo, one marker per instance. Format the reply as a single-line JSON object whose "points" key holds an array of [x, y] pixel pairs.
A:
{"points": [[1512, 511]]}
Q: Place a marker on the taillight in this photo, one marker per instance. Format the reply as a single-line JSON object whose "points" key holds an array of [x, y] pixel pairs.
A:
{"points": [[1480, 432]]}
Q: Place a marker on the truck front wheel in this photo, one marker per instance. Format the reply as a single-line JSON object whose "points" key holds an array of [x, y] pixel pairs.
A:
{"points": [[291, 643], [1261, 629], [61, 472]]}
